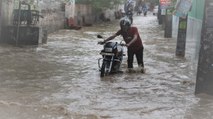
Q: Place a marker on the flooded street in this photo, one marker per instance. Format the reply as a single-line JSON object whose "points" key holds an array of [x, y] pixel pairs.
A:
{"points": [[61, 80]]}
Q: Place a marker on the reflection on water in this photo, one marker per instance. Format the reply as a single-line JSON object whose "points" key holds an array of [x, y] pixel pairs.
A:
{"points": [[60, 80]]}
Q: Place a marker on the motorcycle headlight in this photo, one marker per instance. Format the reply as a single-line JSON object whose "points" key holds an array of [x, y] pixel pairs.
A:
{"points": [[108, 49]]}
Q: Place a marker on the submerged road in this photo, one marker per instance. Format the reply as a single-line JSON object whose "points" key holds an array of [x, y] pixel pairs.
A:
{"points": [[61, 80]]}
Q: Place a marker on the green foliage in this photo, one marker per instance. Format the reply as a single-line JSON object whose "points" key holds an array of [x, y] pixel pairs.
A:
{"points": [[100, 4], [174, 2], [83, 1], [154, 1]]}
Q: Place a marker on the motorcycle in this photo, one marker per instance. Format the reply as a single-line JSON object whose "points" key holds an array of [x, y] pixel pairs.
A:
{"points": [[129, 15], [145, 11], [112, 56], [129, 8], [139, 10]]}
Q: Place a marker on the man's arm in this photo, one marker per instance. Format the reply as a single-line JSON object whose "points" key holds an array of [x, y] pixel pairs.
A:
{"points": [[110, 38], [133, 40]]}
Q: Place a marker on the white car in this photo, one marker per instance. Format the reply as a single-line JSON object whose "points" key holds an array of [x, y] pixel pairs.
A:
{"points": [[155, 10]]}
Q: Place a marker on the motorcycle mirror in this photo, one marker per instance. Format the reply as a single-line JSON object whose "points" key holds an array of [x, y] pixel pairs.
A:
{"points": [[99, 36]]}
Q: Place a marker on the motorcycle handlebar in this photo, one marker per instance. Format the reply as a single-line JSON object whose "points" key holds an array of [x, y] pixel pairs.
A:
{"points": [[123, 44], [102, 43]]}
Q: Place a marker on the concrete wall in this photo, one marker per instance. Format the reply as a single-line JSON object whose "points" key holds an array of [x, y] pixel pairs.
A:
{"points": [[197, 9], [51, 10], [53, 13], [193, 38], [70, 9], [6, 12], [175, 22], [83, 14], [194, 29], [5, 15], [204, 80], [110, 14]]}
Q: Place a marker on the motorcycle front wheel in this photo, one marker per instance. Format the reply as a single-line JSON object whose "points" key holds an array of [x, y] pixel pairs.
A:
{"points": [[104, 72]]}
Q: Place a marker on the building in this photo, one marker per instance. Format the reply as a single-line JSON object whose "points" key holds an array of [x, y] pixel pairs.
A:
{"points": [[51, 17], [194, 28]]}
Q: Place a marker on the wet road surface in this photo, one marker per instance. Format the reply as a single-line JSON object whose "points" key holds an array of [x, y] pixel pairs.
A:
{"points": [[60, 80]]}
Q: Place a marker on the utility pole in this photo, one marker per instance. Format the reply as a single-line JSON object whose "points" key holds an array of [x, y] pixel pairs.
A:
{"points": [[168, 23], [18, 25], [166, 17], [204, 83], [181, 10], [181, 39], [0, 19]]}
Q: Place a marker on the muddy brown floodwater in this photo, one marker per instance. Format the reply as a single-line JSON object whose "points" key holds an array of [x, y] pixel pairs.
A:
{"points": [[61, 80]]}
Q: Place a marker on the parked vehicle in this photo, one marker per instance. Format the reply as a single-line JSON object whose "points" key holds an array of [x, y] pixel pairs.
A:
{"points": [[139, 10], [155, 10], [129, 14], [129, 9], [112, 56], [145, 10]]}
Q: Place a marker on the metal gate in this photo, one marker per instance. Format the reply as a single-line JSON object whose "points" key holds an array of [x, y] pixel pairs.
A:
{"points": [[24, 31]]}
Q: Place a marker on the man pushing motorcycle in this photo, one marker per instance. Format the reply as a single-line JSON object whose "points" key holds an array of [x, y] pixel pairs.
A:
{"points": [[133, 43]]}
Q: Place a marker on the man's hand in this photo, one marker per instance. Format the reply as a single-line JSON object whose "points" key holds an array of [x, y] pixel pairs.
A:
{"points": [[127, 45]]}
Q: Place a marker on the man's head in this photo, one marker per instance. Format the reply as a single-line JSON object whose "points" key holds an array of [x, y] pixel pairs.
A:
{"points": [[125, 24]]}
